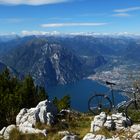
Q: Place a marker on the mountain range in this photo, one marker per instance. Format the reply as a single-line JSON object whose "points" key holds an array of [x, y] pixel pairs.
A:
{"points": [[53, 60]]}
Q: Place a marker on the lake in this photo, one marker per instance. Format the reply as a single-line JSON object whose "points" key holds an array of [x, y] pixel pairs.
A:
{"points": [[80, 92]]}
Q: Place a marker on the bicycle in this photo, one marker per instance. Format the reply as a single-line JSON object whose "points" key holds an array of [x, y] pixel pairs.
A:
{"points": [[102, 103]]}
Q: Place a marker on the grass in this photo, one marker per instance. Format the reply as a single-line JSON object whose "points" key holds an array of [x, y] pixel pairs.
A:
{"points": [[122, 134], [78, 124]]}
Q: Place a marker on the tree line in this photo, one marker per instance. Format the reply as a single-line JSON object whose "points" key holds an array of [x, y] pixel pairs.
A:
{"points": [[16, 94]]}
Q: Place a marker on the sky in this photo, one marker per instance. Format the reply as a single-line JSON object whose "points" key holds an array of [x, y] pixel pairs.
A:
{"points": [[69, 16]]}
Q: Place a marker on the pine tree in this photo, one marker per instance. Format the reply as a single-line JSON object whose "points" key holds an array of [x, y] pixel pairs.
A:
{"points": [[42, 95], [16, 94]]}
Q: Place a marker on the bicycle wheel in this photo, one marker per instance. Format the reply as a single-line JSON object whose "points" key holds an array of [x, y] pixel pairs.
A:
{"points": [[99, 103], [133, 111]]}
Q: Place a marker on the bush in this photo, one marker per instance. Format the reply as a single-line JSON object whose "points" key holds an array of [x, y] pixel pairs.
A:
{"points": [[63, 103]]}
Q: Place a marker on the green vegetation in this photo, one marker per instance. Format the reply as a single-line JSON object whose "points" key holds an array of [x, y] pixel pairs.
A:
{"points": [[63, 103], [16, 94], [122, 134], [79, 124]]}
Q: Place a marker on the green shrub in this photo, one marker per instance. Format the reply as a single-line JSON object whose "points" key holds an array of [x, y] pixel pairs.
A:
{"points": [[63, 103]]}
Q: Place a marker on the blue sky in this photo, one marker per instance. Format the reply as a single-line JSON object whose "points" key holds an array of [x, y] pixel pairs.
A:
{"points": [[40, 16]]}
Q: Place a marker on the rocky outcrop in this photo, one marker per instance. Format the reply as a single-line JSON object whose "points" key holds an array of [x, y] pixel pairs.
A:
{"points": [[113, 122], [136, 136], [30, 130], [44, 113], [27, 119], [91, 136], [132, 131], [5, 132], [63, 133], [135, 128], [98, 122]]}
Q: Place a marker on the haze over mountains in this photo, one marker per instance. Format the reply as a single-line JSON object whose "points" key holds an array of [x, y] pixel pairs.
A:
{"points": [[62, 59]]}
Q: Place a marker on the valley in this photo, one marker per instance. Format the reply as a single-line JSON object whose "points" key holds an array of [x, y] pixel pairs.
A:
{"points": [[75, 65]]}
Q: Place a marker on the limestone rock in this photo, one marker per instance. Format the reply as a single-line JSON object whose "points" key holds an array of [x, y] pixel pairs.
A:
{"points": [[63, 133], [116, 121], [136, 136], [8, 131], [44, 113], [29, 130], [135, 128], [91, 136], [110, 124], [98, 122], [2, 130]]}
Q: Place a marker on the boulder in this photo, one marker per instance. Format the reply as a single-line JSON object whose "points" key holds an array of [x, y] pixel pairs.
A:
{"points": [[2, 130], [44, 113], [5, 132], [29, 130], [136, 136], [8, 130], [98, 122], [135, 128], [63, 133], [91, 136], [20, 116], [110, 124], [26, 120], [114, 122]]}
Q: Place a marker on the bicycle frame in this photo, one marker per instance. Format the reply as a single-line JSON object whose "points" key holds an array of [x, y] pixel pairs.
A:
{"points": [[134, 99], [112, 96], [111, 100], [111, 91]]}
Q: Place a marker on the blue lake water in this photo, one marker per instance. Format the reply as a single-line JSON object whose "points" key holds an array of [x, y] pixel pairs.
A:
{"points": [[80, 92]]}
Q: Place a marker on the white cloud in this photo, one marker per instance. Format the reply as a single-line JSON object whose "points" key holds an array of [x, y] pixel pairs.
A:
{"points": [[31, 2], [121, 15], [28, 33], [127, 9], [53, 25]]}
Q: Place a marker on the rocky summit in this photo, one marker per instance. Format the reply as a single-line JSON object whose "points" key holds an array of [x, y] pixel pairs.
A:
{"points": [[120, 126], [27, 119], [103, 126]]}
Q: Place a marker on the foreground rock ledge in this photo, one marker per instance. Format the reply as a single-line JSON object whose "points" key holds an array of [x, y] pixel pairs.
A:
{"points": [[116, 122], [27, 119]]}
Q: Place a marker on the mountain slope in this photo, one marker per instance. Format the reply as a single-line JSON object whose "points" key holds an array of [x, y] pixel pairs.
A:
{"points": [[53, 60], [50, 63], [133, 52], [2, 66]]}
